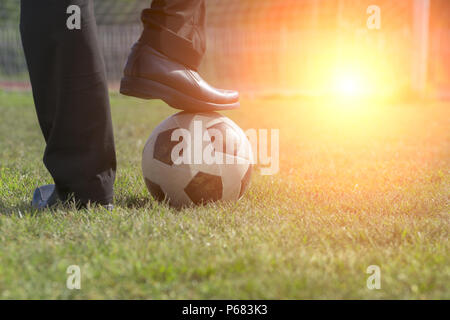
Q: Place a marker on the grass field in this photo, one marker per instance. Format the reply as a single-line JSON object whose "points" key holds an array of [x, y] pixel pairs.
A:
{"points": [[358, 186]]}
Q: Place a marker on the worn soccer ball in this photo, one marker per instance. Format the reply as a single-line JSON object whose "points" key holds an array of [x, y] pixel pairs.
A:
{"points": [[195, 158]]}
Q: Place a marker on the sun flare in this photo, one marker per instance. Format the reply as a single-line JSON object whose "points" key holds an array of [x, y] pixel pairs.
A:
{"points": [[349, 85]]}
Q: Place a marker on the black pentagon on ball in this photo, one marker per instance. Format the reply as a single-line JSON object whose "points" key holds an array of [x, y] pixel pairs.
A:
{"points": [[155, 190], [163, 146], [234, 140], [204, 188], [246, 180]]}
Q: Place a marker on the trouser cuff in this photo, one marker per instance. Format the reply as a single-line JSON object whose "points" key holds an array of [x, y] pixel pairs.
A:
{"points": [[100, 191], [170, 44]]}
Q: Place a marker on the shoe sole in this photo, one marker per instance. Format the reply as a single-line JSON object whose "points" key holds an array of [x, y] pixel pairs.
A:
{"points": [[148, 89]]}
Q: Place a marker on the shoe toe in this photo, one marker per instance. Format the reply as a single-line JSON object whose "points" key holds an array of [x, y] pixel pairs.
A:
{"points": [[230, 95]]}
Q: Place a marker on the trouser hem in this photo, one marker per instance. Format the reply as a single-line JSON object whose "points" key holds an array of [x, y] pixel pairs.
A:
{"points": [[171, 44]]}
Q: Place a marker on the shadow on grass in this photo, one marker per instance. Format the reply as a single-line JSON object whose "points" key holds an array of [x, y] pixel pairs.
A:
{"points": [[139, 202], [135, 202], [24, 208], [21, 209]]}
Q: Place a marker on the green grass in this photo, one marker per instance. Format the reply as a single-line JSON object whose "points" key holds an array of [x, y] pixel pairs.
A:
{"points": [[357, 186]]}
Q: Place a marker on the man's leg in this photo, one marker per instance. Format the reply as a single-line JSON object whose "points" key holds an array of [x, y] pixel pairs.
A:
{"points": [[70, 92], [164, 62], [177, 29]]}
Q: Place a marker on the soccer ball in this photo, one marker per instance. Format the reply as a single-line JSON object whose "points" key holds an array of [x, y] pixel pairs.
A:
{"points": [[195, 158]]}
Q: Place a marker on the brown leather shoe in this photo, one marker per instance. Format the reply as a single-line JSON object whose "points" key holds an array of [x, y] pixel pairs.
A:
{"points": [[151, 75]]}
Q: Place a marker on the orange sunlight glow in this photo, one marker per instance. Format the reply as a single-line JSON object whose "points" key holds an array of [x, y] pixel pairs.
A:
{"points": [[351, 70]]}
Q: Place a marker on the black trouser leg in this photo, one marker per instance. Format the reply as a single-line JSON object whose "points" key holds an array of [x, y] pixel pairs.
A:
{"points": [[177, 29], [70, 92]]}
